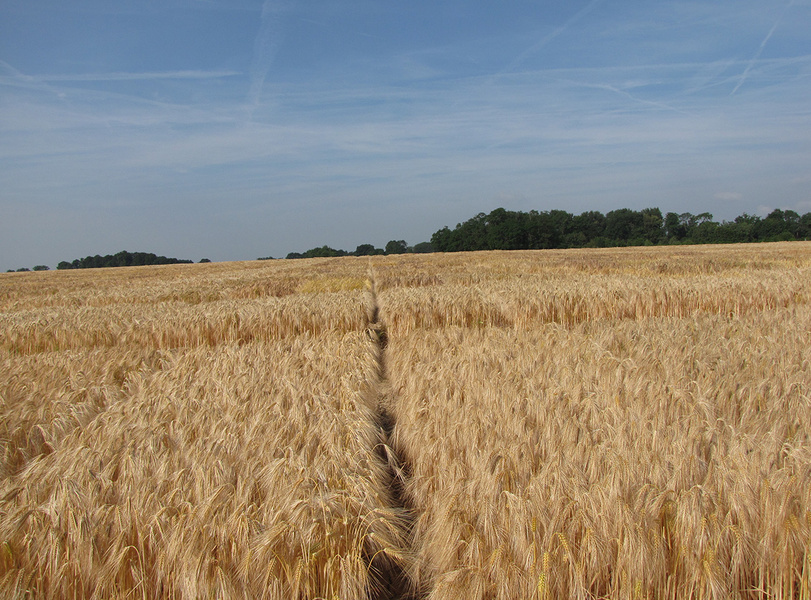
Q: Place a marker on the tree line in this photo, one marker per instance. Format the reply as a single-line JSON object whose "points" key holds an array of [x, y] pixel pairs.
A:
{"points": [[393, 247], [515, 230], [504, 229], [120, 259]]}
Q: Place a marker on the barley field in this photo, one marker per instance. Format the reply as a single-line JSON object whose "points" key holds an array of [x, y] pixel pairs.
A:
{"points": [[618, 423]]}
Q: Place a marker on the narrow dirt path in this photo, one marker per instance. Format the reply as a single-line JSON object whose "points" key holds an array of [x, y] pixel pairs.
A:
{"points": [[395, 582]]}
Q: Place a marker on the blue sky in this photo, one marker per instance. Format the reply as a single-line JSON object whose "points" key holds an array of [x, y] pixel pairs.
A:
{"points": [[233, 129]]}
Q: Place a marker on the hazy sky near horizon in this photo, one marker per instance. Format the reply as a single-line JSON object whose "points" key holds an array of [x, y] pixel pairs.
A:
{"points": [[233, 129]]}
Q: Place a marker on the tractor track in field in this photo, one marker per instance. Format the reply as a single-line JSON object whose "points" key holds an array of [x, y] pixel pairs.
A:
{"points": [[393, 581]]}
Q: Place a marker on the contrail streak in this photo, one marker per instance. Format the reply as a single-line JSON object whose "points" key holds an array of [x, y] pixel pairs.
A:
{"points": [[745, 74], [630, 96], [265, 47], [550, 37], [9, 71], [121, 76]]}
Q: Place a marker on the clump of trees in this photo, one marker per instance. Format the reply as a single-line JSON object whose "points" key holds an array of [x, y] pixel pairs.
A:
{"points": [[27, 270], [393, 247], [121, 259], [514, 230]]}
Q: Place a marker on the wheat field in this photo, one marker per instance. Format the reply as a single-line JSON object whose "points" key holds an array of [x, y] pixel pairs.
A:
{"points": [[623, 423]]}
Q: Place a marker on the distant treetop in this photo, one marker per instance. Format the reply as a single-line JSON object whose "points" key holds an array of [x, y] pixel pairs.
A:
{"points": [[121, 259], [393, 247], [515, 230]]}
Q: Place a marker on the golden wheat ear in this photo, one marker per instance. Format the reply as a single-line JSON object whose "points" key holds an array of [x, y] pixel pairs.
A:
{"points": [[256, 432]]}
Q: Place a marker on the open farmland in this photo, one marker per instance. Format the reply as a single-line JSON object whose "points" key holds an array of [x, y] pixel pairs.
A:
{"points": [[629, 423]]}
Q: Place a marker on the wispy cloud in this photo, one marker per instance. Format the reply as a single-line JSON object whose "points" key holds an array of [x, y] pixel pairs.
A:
{"points": [[731, 196], [50, 83], [547, 39], [265, 47], [641, 116], [8, 70], [635, 99], [136, 76], [754, 59]]}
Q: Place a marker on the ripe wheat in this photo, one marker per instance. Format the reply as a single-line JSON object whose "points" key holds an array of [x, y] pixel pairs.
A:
{"points": [[619, 423], [214, 448]]}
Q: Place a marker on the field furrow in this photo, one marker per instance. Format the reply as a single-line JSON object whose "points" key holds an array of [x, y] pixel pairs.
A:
{"points": [[250, 472], [630, 453], [220, 449], [612, 423]]}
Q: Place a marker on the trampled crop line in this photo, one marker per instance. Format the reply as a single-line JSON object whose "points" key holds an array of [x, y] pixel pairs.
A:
{"points": [[394, 583]]}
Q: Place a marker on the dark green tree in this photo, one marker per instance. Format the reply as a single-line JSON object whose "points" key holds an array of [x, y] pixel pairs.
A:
{"points": [[442, 240], [324, 252], [804, 229], [674, 229], [505, 230], [742, 229], [701, 229], [652, 225], [625, 227], [472, 234], [396, 247], [543, 230], [121, 259], [588, 226], [423, 248], [780, 225]]}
